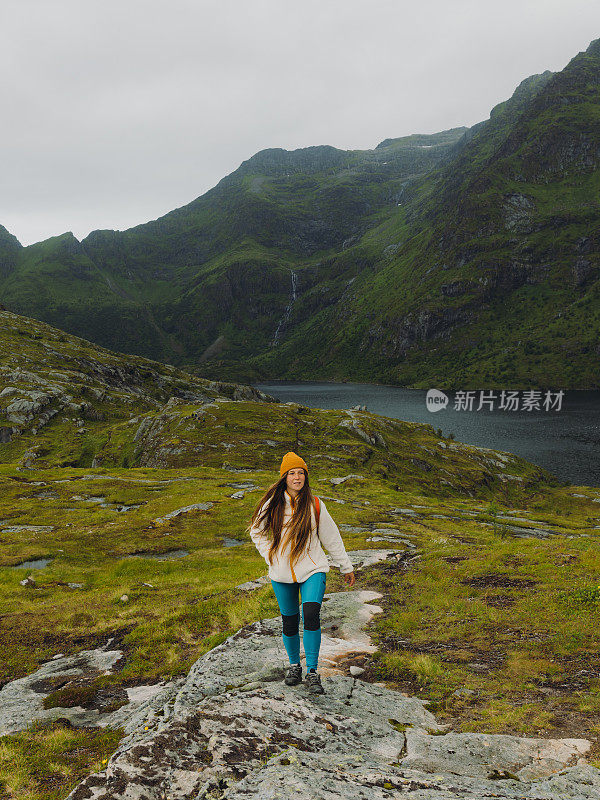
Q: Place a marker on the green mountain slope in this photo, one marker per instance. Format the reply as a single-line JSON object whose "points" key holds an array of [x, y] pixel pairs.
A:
{"points": [[61, 396], [463, 259], [133, 483], [219, 266], [488, 274]]}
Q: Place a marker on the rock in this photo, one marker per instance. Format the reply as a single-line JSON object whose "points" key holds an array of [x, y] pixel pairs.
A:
{"points": [[420, 464], [504, 476], [365, 558], [333, 499], [352, 528], [6, 434], [232, 729], [463, 693], [28, 581], [387, 531], [229, 542], [583, 270], [358, 776], [250, 585], [30, 398], [25, 409], [124, 598], [355, 427], [237, 495], [393, 539], [28, 528], [390, 250], [29, 457], [394, 336], [479, 754], [184, 510], [247, 687], [456, 288], [518, 213], [21, 700], [477, 667], [337, 481], [225, 719]]}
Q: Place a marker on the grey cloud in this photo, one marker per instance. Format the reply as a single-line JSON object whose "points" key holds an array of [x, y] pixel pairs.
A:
{"points": [[116, 112]]}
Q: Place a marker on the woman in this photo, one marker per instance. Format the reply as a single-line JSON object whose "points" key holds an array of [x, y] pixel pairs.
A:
{"points": [[288, 528]]}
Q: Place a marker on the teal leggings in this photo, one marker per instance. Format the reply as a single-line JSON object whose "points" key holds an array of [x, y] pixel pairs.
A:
{"points": [[312, 589]]}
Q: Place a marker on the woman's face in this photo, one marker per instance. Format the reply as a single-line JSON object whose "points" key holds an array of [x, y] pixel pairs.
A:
{"points": [[295, 480]]}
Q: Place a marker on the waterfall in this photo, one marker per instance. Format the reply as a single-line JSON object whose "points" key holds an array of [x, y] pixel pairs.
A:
{"points": [[288, 308]]}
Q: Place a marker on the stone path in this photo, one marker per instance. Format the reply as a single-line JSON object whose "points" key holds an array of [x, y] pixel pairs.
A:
{"points": [[21, 700], [232, 729]]}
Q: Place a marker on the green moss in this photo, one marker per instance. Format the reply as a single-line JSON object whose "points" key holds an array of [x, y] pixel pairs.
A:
{"points": [[49, 759], [476, 610]]}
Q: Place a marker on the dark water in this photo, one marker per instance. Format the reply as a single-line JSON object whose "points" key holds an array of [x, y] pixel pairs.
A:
{"points": [[38, 563], [564, 440]]}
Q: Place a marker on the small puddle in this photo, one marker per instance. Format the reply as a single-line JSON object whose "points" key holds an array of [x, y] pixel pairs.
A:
{"points": [[28, 528], [228, 542], [91, 499], [168, 556], [38, 563], [105, 503], [47, 495]]}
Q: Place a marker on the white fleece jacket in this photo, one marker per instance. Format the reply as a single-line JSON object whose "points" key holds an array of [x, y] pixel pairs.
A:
{"points": [[313, 559]]}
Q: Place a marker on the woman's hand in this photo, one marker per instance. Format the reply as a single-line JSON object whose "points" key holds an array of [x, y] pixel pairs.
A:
{"points": [[349, 578]]}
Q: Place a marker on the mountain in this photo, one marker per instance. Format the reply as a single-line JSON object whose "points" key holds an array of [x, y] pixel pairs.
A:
{"points": [[64, 398], [461, 259], [219, 266], [66, 402], [126, 489], [9, 251], [488, 274]]}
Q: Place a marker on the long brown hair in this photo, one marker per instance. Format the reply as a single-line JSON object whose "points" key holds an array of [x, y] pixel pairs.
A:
{"points": [[271, 519]]}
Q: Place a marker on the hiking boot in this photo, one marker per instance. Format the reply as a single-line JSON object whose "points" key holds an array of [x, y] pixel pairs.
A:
{"points": [[293, 674], [313, 683]]}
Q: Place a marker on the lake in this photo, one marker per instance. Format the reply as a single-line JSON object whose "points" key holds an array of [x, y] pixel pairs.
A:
{"points": [[564, 439]]}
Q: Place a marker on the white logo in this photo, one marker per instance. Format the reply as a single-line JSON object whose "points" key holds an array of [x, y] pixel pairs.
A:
{"points": [[435, 400]]}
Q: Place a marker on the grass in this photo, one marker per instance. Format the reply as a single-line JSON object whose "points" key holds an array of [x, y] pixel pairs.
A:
{"points": [[439, 616], [48, 759], [508, 620], [511, 621]]}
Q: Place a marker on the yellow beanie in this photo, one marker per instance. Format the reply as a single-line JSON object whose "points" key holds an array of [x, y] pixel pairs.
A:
{"points": [[291, 461]]}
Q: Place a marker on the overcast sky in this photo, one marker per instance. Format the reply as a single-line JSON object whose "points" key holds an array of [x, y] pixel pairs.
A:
{"points": [[114, 112]]}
